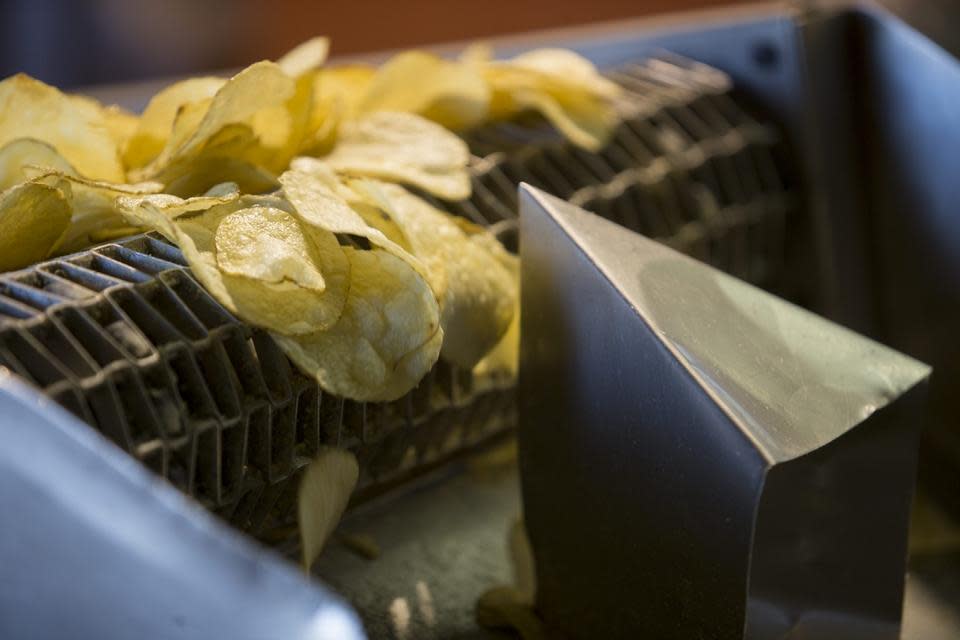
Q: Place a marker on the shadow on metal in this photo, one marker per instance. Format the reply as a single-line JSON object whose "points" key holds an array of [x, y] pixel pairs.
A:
{"points": [[698, 457]]}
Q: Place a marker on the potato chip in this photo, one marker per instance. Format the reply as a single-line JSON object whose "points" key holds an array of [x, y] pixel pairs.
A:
{"points": [[572, 68], [268, 244], [321, 200], [120, 123], [94, 214], [305, 57], [156, 123], [583, 121], [500, 366], [33, 215], [159, 210], [325, 491], [336, 97], [387, 339], [563, 86], [22, 152], [376, 217], [405, 148], [75, 127], [452, 94], [93, 206], [476, 292], [200, 174], [199, 126], [258, 296]]}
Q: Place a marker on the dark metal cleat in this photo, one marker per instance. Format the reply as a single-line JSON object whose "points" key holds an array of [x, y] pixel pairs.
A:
{"points": [[701, 459]]}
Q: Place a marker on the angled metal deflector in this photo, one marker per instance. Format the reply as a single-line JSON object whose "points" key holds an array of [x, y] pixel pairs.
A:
{"points": [[700, 458]]}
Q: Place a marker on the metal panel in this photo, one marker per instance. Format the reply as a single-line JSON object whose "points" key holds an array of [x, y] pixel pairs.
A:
{"points": [[698, 457], [910, 114], [94, 547]]}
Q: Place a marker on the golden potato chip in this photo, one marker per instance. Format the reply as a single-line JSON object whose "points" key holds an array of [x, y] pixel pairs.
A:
{"points": [[305, 57], [318, 170], [414, 223], [94, 214], [198, 175], [281, 129], [451, 94], [502, 364], [376, 217], [325, 490], [321, 200], [20, 153], [155, 125], [161, 209], [336, 96], [268, 244], [563, 86], [572, 68], [476, 292], [476, 54], [223, 189], [284, 305], [120, 123], [76, 128], [236, 104], [387, 339], [585, 122], [406, 148], [33, 215]]}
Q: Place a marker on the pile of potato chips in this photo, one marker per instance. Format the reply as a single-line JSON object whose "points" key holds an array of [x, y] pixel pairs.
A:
{"points": [[291, 190]]}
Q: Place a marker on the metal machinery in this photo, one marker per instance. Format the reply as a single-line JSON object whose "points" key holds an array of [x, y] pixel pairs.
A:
{"points": [[803, 150]]}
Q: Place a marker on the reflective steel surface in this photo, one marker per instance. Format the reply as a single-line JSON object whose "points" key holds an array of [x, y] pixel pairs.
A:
{"points": [[741, 467], [94, 546]]}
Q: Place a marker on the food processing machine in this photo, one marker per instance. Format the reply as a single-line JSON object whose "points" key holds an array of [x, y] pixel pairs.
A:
{"points": [[803, 149]]}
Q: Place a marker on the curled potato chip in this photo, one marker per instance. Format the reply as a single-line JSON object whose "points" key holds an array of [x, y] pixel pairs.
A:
{"points": [[387, 339], [502, 364], [406, 148], [200, 174], [583, 121], [324, 492], [93, 204], [476, 291], [18, 154], [76, 127], [33, 215], [262, 294], [337, 92], [160, 209], [154, 127], [268, 244], [259, 86], [449, 93], [248, 118], [120, 123], [562, 85], [94, 214], [321, 200], [305, 57], [572, 68]]}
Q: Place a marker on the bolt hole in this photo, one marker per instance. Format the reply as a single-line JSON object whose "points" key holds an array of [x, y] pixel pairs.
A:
{"points": [[765, 55]]}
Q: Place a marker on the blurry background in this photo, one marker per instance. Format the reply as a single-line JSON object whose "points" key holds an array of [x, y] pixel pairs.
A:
{"points": [[74, 43]]}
